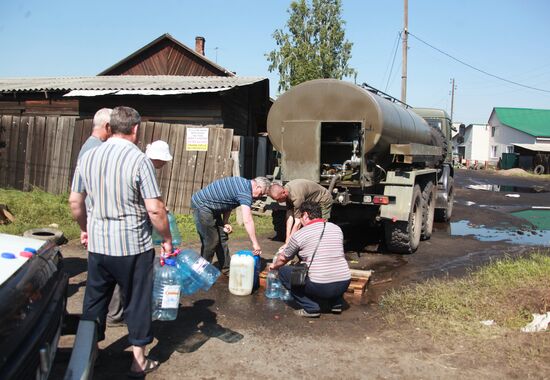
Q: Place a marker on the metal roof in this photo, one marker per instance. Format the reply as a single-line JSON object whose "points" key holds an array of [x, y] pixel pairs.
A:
{"points": [[535, 122], [535, 147], [124, 82]]}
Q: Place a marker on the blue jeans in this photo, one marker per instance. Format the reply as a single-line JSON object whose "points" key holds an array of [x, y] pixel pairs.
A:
{"points": [[213, 238], [312, 294]]}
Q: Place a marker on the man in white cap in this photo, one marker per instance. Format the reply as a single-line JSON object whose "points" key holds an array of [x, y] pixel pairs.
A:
{"points": [[159, 153]]}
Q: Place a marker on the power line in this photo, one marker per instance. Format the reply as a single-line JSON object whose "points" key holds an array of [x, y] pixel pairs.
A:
{"points": [[393, 60], [475, 68]]}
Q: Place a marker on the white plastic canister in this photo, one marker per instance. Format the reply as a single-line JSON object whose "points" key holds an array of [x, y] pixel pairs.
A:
{"points": [[241, 274]]}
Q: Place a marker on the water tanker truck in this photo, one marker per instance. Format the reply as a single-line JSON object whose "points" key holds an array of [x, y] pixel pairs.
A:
{"points": [[387, 165]]}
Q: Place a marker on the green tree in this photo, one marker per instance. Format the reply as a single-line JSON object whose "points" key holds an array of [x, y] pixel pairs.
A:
{"points": [[313, 46]]}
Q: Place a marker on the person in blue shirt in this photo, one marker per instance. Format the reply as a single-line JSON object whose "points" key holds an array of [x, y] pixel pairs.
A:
{"points": [[212, 207]]}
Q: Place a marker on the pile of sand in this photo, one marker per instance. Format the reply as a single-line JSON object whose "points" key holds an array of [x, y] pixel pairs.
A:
{"points": [[513, 171]]}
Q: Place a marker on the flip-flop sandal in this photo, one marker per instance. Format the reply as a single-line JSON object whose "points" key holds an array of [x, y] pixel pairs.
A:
{"points": [[150, 366]]}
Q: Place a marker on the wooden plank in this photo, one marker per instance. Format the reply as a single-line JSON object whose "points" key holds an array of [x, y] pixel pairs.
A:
{"points": [[54, 176], [14, 145], [38, 151], [75, 144], [86, 132], [189, 176], [211, 154], [29, 164], [166, 172], [49, 146], [21, 152], [65, 136], [177, 136], [5, 125]]}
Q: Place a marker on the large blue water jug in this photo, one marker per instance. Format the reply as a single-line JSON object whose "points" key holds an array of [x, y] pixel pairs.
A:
{"points": [[200, 269], [189, 282], [166, 291], [174, 230]]}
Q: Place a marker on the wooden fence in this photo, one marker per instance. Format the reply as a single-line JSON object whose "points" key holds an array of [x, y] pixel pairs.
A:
{"points": [[42, 152]]}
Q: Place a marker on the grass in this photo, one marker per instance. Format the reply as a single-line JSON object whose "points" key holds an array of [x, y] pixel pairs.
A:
{"points": [[507, 291], [36, 208]]}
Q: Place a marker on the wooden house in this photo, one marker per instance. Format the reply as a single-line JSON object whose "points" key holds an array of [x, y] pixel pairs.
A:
{"points": [[173, 88]]}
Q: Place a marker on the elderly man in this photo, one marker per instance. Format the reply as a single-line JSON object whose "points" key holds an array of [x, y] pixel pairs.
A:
{"points": [[101, 131], [211, 210], [125, 197], [296, 192]]}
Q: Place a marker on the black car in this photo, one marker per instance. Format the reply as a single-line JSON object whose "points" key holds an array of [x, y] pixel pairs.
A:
{"points": [[33, 297]]}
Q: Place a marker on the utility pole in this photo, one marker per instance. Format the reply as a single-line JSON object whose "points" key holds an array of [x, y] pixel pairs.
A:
{"points": [[404, 68], [453, 87]]}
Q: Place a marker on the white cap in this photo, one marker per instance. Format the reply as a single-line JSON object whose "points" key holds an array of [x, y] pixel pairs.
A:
{"points": [[158, 150]]}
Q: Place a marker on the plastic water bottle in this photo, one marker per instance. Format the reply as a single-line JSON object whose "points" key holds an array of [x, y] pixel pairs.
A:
{"points": [[257, 264], [174, 231], [188, 283], [272, 285], [241, 273], [166, 291], [285, 293], [200, 269]]}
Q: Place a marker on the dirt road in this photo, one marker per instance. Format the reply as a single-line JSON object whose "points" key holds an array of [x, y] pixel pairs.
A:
{"points": [[219, 335]]}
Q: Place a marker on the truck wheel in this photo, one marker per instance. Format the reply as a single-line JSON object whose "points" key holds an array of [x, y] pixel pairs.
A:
{"points": [[444, 214], [428, 198], [404, 237]]}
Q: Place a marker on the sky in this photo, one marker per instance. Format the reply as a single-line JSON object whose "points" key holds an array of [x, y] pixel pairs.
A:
{"points": [[505, 38]]}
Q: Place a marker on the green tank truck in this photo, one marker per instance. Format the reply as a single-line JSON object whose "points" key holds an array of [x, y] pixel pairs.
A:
{"points": [[385, 164]]}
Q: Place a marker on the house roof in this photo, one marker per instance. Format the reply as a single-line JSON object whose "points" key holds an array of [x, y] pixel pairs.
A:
{"points": [[142, 54], [534, 122], [125, 82], [535, 147]]}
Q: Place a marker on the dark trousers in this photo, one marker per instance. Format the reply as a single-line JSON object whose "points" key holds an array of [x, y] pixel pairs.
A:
{"points": [[312, 294], [134, 275], [213, 238]]}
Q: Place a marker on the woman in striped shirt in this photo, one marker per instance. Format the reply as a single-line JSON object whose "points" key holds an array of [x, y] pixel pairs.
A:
{"points": [[329, 275]]}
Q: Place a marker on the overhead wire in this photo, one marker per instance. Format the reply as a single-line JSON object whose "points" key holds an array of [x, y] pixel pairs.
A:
{"points": [[477, 69], [393, 60]]}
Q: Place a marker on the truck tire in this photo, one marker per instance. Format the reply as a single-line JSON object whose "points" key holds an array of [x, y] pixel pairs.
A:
{"points": [[47, 234], [444, 214], [428, 198], [404, 237], [539, 169]]}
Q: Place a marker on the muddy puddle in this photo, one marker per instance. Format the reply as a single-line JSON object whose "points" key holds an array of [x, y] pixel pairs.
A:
{"points": [[508, 188], [523, 236]]}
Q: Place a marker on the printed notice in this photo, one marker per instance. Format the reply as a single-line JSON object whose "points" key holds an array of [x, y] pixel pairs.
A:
{"points": [[197, 139]]}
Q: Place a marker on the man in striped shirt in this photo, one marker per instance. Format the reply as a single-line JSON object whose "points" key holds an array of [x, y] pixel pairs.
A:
{"points": [[125, 199], [212, 207], [329, 275]]}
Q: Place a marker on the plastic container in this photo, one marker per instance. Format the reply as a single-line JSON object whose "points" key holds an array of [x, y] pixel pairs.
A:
{"points": [[200, 270], [166, 291], [272, 285], [285, 294], [174, 230], [190, 283], [241, 273], [257, 263]]}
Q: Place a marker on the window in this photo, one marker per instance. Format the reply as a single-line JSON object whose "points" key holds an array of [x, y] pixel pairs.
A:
{"points": [[510, 149], [493, 151], [493, 129]]}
